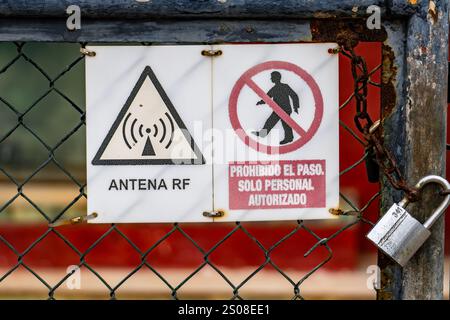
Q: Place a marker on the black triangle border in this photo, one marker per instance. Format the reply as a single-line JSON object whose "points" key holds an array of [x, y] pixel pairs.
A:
{"points": [[148, 72]]}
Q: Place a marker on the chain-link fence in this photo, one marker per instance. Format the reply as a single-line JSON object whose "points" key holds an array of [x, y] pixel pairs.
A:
{"points": [[36, 93]]}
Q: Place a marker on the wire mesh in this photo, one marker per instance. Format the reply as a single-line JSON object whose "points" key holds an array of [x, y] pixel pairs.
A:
{"points": [[18, 121]]}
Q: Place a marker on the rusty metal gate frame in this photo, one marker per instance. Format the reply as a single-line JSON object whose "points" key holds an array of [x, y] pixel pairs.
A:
{"points": [[414, 34]]}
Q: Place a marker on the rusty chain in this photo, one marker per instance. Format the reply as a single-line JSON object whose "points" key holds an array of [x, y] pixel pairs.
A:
{"points": [[375, 148]]}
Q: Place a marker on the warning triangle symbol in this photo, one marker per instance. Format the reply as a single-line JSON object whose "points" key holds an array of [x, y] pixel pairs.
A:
{"points": [[148, 130]]}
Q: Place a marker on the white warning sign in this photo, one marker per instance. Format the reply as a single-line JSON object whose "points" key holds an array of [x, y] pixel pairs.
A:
{"points": [[148, 130]]}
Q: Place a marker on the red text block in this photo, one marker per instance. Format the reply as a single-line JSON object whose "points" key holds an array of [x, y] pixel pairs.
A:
{"points": [[280, 184]]}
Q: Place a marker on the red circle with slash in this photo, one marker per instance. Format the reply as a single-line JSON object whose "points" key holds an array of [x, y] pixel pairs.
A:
{"points": [[304, 135]]}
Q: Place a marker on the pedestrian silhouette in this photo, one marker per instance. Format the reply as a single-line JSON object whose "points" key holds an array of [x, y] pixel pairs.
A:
{"points": [[280, 94]]}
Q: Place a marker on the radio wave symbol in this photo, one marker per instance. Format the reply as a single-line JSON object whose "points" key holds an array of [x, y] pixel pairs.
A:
{"points": [[163, 133]]}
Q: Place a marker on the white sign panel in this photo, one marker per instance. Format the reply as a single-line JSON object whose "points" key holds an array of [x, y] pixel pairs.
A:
{"points": [[252, 134]]}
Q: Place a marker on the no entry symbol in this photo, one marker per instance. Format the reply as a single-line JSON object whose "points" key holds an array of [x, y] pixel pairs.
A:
{"points": [[304, 134]]}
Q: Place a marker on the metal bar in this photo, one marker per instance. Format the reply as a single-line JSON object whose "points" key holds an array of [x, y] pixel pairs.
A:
{"points": [[186, 31], [274, 9], [420, 126]]}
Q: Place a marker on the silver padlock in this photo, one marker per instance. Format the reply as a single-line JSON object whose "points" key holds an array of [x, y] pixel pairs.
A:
{"points": [[398, 234]]}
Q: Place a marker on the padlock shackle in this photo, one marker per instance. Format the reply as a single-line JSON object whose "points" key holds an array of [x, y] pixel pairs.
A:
{"points": [[439, 210]]}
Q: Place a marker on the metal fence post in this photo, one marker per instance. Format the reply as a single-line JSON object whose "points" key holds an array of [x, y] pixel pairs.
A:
{"points": [[419, 145]]}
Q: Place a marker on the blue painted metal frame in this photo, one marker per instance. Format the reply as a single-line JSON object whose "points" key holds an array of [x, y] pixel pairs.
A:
{"points": [[188, 21]]}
